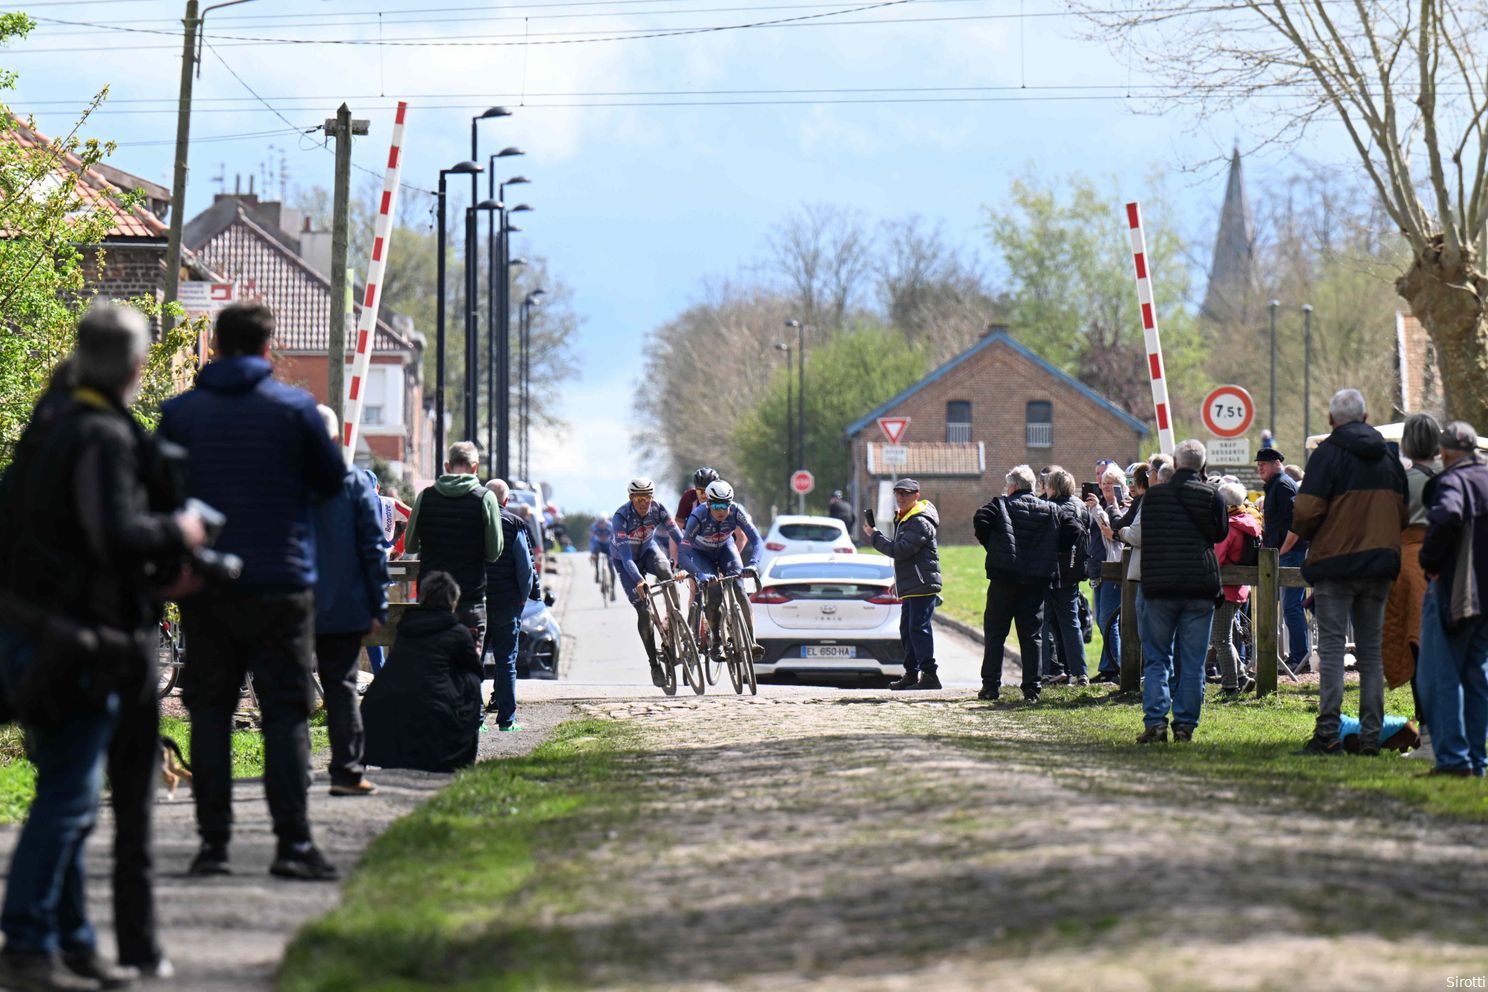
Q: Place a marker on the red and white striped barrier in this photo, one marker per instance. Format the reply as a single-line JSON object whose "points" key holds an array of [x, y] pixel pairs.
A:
{"points": [[372, 302], [1155, 366]]}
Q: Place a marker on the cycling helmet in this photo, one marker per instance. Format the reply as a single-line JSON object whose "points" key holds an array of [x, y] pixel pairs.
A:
{"points": [[703, 476], [642, 486], [719, 491]]}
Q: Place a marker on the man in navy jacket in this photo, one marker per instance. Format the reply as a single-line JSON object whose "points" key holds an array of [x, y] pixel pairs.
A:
{"points": [[260, 454]]}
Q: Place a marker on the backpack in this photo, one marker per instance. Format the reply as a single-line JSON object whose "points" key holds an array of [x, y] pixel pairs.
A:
{"points": [[1250, 549]]}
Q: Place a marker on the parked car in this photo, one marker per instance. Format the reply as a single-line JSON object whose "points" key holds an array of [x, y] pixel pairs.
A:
{"points": [[797, 535], [828, 614], [539, 644]]}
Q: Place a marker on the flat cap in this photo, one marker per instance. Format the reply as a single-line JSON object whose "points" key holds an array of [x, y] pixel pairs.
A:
{"points": [[907, 485], [1269, 455], [1459, 436]]}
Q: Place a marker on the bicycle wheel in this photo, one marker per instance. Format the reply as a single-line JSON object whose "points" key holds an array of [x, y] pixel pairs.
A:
{"points": [[685, 644], [707, 649], [739, 655], [169, 664], [605, 581], [1243, 638]]}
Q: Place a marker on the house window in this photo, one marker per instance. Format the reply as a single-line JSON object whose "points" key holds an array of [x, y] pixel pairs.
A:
{"points": [[374, 413], [1040, 421], [958, 422]]}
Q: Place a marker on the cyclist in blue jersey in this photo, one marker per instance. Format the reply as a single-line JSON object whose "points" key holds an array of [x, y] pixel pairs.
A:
{"points": [[636, 553], [601, 533], [710, 551]]}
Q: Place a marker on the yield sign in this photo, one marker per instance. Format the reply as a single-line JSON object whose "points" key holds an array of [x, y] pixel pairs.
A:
{"points": [[893, 427]]}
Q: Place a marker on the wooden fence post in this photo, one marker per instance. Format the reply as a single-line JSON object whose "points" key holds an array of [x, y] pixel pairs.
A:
{"points": [[1131, 639], [1263, 612]]}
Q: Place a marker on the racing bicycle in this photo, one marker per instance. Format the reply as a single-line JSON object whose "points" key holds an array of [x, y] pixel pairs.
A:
{"points": [[736, 643], [678, 646]]}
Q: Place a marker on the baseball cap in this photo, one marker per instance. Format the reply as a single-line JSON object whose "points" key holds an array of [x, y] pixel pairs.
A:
{"points": [[1459, 436], [907, 485], [1269, 455]]}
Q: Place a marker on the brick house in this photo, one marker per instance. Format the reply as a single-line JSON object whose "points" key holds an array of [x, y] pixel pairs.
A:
{"points": [[995, 405], [242, 239]]}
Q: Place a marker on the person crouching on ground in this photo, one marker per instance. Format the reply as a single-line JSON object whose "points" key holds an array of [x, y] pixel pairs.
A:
{"points": [[423, 711], [917, 579]]}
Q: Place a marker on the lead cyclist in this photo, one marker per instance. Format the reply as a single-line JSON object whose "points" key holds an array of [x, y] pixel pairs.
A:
{"points": [[708, 545], [635, 549]]}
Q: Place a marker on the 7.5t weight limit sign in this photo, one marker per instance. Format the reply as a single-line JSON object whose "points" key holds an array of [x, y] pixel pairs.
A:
{"points": [[1229, 411]]}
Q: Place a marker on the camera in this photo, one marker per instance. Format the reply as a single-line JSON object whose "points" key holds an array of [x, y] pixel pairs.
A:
{"points": [[165, 480]]}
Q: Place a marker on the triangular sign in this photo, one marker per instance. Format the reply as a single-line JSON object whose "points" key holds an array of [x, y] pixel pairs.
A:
{"points": [[893, 427]]}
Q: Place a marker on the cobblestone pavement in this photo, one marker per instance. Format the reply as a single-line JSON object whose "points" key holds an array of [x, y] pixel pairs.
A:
{"points": [[821, 843]]}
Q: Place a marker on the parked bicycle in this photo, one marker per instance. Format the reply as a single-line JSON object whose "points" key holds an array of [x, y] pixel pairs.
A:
{"points": [[170, 656], [678, 646]]}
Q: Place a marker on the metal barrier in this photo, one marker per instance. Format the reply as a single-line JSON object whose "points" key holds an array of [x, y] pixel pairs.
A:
{"points": [[1266, 580]]}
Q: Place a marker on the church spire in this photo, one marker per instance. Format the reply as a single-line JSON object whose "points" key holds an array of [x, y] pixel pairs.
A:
{"points": [[1232, 277]]}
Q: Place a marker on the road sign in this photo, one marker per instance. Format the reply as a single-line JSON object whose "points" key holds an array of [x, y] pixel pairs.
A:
{"points": [[893, 427], [802, 482], [1229, 451], [1228, 411], [894, 456], [200, 298]]}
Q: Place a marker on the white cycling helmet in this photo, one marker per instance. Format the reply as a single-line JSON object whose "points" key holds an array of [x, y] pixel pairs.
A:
{"points": [[719, 491], [642, 486]]}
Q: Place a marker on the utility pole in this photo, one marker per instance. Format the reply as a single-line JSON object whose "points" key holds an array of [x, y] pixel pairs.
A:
{"points": [[1272, 425], [183, 139], [341, 128]]}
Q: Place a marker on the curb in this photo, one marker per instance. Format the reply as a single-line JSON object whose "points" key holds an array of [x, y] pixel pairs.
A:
{"points": [[1009, 654]]}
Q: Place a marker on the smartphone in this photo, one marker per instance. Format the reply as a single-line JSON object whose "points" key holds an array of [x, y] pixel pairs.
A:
{"points": [[868, 516], [1089, 489], [1120, 492]]}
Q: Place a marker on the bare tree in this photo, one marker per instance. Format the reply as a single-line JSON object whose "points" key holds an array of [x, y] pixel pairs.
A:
{"points": [[824, 256], [929, 292], [1407, 84]]}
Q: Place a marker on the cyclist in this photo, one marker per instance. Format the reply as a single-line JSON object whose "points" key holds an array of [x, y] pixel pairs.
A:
{"points": [[601, 534], [710, 551], [694, 497], [634, 545]]}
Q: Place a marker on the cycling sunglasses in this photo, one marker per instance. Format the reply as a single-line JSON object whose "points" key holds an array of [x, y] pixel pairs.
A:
{"points": [[719, 506]]}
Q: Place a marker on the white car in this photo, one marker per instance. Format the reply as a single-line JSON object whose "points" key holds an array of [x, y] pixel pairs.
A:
{"points": [[797, 535], [828, 614]]}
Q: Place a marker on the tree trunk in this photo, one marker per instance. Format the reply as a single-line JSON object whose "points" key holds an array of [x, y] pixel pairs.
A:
{"points": [[1450, 299]]}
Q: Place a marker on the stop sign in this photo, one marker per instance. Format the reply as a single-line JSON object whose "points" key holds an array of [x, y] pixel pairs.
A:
{"points": [[802, 482]]}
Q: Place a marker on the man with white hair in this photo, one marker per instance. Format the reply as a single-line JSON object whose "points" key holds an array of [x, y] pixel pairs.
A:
{"points": [[1020, 532], [1352, 509], [1182, 520]]}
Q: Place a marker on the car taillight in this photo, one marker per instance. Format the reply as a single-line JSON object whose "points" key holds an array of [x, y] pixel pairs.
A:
{"points": [[884, 599], [845, 551], [774, 546], [769, 597]]}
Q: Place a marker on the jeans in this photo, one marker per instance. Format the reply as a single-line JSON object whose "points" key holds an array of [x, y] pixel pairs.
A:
{"points": [[916, 635], [1175, 638], [1222, 640], [1107, 602], [1453, 675], [45, 903], [502, 636], [1009, 605], [133, 774], [1336, 602], [1298, 650], [1062, 616], [268, 634], [336, 660], [375, 659]]}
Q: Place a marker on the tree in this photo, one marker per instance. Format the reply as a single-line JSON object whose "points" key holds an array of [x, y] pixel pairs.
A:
{"points": [[824, 256], [926, 290], [1407, 85]]}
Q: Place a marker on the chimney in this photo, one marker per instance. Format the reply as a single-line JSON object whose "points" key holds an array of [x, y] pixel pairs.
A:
{"points": [[315, 249]]}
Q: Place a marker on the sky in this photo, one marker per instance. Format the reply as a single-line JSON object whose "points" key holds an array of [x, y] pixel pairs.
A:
{"points": [[658, 160]]}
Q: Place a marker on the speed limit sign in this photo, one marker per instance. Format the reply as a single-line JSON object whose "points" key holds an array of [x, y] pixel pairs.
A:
{"points": [[1228, 411]]}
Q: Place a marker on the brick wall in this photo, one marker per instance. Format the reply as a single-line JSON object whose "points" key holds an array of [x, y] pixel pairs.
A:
{"points": [[999, 383]]}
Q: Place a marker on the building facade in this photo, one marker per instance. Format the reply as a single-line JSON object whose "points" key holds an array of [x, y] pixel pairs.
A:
{"points": [[996, 405]]}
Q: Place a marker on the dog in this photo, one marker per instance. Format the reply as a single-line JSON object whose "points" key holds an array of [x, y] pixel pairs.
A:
{"points": [[174, 768]]}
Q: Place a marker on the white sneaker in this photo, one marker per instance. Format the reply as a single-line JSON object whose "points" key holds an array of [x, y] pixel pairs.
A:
{"points": [[1425, 752]]}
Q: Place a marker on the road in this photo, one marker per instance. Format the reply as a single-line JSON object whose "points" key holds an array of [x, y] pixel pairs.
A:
{"points": [[601, 646]]}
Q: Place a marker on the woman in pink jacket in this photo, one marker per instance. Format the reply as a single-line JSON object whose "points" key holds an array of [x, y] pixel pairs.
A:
{"points": [[1237, 548]]}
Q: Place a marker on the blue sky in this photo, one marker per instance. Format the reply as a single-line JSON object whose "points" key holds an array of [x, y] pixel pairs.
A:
{"points": [[637, 205]]}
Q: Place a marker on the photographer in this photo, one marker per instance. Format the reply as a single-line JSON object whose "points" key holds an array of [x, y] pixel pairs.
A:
{"points": [[260, 454], [80, 547]]}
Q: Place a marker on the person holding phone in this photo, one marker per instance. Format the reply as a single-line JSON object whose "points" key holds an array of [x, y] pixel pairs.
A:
{"points": [[1105, 506]]}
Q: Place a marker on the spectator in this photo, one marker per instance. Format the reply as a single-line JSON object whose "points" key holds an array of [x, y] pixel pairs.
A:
{"points": [[1280, 496], [423, 712], [1020, 532], [351, 579], [456, 528], [393, 515], [1061, 608], [1454, 627], [260, 454], [1420, 442], [917, 579], [838, 508], [1183, 519], [79, 485], [1105, 546], [510, 582], [1238, 547], [1352, 509], [1294, 472]]}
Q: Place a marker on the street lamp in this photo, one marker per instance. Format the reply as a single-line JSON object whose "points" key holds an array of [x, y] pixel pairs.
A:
{"points": [[500, 331], [790, 433], [1306, 374], [462, 168], [472, 336], [533, 299], [800, 398]]}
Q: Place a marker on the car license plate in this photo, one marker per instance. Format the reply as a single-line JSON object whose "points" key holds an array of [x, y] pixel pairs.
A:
{"points": [[829, 651]]}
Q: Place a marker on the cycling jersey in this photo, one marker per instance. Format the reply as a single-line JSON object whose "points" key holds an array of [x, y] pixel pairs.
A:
{"points": [[635, 534], [714, 538], [393, 510], [686, 503], [600, 535]]}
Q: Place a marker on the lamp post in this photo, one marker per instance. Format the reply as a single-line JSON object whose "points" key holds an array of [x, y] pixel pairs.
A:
{"points": [[1273, 305], [472, 335], [532, 299], [800, 399], [790, 433], [461, 168], [1306, 373], [502, 329]]}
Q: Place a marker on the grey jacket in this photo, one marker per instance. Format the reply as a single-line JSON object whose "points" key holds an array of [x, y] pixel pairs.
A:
{"points": [[913, 548]]}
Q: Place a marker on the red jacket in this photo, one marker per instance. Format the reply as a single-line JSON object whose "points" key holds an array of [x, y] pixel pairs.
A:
{"points": [[1228, 550]]}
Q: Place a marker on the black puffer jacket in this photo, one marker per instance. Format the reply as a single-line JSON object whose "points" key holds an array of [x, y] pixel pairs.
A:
{"points": [[1020, 533], [913, 548], [1182, 520]]}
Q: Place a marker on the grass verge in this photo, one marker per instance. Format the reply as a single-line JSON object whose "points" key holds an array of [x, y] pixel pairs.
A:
{"points": [[459, 893], [1243, 748]]}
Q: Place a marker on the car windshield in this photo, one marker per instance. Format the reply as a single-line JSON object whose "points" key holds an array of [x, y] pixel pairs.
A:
{"points": [[810, 532], [831, 571]]}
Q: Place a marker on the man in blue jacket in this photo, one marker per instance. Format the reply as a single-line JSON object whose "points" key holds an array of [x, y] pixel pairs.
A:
{"points": [[351, 578], [260, 454], [511, 580]]}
